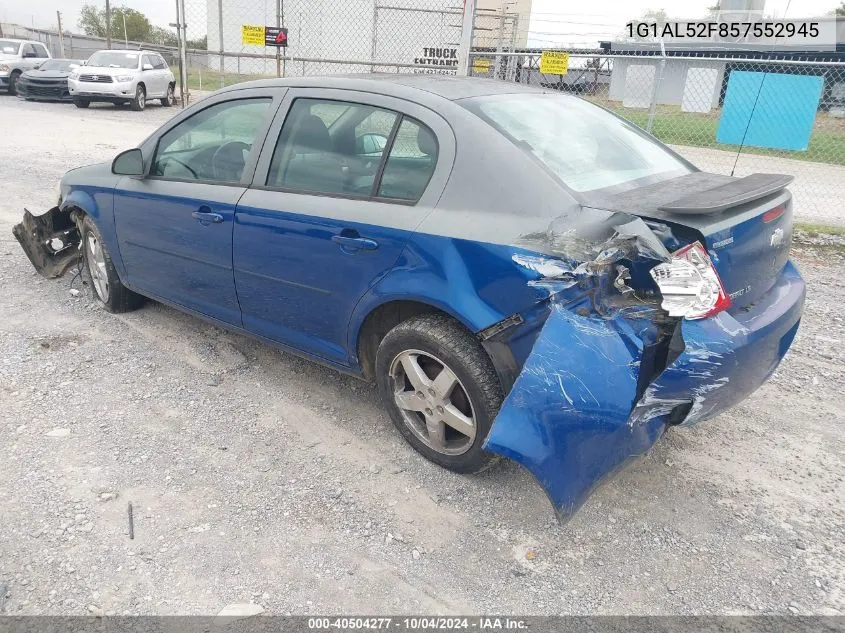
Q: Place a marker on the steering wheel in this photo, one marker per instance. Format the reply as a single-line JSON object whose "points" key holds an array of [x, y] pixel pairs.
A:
{"points": [[170, 159], [227, 162]]}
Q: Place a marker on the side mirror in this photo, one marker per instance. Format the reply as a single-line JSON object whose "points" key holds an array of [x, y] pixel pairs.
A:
{"points": [[37, 66], [147, 67], [28, 55], [128, 163]]}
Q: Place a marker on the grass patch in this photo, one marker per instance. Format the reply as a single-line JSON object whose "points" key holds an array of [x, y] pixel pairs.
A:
{"points": [[207, 79], [671, 125], [812, 229]]}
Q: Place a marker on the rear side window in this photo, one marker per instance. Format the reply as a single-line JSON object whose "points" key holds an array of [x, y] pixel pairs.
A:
{"points": [[340, 158], [352, 149], [410, 163], [584, 146]]}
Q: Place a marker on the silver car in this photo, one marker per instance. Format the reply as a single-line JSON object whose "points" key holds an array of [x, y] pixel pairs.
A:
{"points": [[122, 76]]}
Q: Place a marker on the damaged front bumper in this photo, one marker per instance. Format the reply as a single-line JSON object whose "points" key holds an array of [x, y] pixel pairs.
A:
{"points": [[50, 241], [601, 384]]}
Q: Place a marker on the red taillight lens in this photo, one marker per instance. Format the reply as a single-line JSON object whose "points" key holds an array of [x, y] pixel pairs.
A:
{"points": [[690, 285], [774, 214]]}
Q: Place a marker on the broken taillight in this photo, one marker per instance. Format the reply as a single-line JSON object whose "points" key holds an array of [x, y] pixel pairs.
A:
{"points": [[690, 285]]}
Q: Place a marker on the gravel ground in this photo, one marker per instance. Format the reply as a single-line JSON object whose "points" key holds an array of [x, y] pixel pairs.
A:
{"points": [[258, 477]]}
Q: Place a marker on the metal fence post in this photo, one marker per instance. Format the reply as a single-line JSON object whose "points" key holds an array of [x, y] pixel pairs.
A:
{"points": [[652, 108], [467, 28], [220, 33]]}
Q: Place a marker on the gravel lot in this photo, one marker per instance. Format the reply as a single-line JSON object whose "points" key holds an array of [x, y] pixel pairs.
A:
{"points": [[259, 477]]}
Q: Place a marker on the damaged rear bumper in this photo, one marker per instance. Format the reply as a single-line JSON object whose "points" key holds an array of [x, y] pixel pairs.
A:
{"points": [[50, 241], [579, 410]]}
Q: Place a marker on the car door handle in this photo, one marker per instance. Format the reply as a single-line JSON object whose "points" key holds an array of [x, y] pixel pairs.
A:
{"points": [[206, 217], [347, 242]]}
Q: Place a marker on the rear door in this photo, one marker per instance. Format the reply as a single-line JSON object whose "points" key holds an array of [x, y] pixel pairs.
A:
{"points": [[175, 225], [151, 77], [162, 73], [331, 208]]}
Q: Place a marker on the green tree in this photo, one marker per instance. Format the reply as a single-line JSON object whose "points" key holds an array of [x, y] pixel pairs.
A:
{"points": [[840, 10], [137, 25], [655, 16], [163, 37], [200, 44], [92, 20]]}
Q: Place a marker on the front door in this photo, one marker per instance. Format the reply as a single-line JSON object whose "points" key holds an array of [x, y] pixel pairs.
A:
{"points": [[329, 213], [175, 226]]}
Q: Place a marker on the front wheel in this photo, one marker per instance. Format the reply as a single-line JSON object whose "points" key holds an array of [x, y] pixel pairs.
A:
{"points": [[81, 103], [13, 82], [440, 389], [140, 100], [107, 285]]}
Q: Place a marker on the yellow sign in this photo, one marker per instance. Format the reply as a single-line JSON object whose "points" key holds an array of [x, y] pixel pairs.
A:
{"points": [[251, 34], [481, 65], [554, 63]]}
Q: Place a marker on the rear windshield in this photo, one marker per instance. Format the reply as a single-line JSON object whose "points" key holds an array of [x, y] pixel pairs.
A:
{"points": [[113, 59], [9, 48], [585, 146]]}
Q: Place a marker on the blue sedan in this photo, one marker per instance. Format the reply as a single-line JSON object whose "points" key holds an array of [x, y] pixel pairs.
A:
{"points": [[522, 273]]}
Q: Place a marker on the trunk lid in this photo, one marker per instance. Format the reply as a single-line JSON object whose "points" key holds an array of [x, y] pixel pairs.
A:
{"points": [[745, 224]]}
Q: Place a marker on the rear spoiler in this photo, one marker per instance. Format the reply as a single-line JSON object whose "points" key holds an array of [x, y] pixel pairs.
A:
{"points": [[730, 194]]}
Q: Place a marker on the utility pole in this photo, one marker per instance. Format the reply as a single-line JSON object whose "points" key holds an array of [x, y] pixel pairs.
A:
{"points": [[467, 28], [61, 34], [125, 37], [108, 24]]}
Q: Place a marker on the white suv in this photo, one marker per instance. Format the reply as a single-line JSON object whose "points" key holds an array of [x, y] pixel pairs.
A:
{"points": [[122, 76]]}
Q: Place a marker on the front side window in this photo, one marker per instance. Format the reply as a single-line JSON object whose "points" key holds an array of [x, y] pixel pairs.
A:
{"points": [[213, 144], [40, 51], [113, 59], [340, 157], [158, 62], [28, 51], [586, 147]]}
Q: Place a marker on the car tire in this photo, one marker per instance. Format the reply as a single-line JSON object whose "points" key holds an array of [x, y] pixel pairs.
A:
{"points": [[140, 101], [105, 281], [81, 103], [13, 80], [169, 97], [432, 344]]}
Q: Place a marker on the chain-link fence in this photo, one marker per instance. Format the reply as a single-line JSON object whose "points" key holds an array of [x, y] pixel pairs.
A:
{"points": [[727, 115], [336, 37]]}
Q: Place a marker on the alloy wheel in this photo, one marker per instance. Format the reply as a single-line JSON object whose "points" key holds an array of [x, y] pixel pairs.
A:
{"points": [[97, 266], [433, 402]]}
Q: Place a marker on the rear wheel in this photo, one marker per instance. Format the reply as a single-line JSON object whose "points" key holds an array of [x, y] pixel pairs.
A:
{"points": [[107, 285], [169, 97], [440, 389], [140, 100], [13, 82], [81, 103]]}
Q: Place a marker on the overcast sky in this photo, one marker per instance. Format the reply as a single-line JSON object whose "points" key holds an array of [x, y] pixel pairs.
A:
{"points": [[552, 21]]}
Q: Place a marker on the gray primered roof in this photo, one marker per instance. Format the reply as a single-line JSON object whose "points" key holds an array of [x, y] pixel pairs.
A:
{"points": [[403, 85]]}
